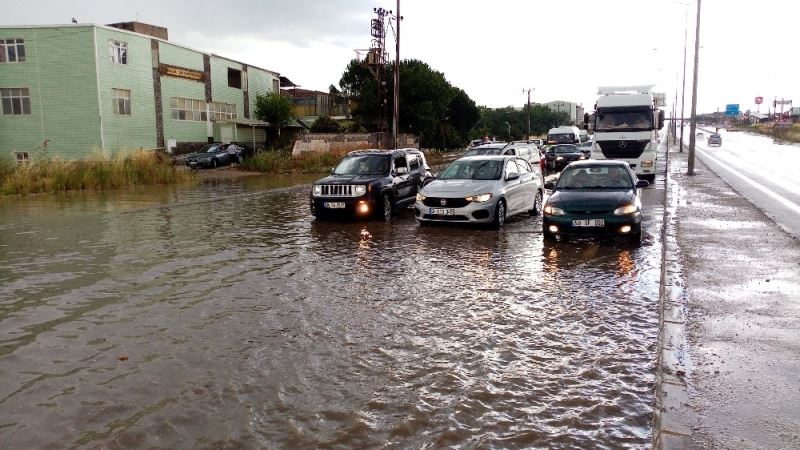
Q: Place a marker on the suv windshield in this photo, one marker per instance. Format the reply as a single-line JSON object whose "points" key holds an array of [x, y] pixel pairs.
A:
{"points": [[624, 120], [595, 178], [477, 169], [363, 165]]}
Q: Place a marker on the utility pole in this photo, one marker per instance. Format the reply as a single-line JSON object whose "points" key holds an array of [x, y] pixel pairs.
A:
{"points": [[529, 112], [396, 118], [683, 86], [693, 123]]}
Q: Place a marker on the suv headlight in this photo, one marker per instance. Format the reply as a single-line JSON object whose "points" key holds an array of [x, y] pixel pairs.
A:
{"points": [[647, 163], [626, 210], [551, 210], [360, 189], [316, 191], [420, 197], [480, 198]]}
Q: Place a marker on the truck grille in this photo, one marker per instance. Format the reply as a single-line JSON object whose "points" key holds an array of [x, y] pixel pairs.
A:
{"points": [[622, 149], [338, 190]]}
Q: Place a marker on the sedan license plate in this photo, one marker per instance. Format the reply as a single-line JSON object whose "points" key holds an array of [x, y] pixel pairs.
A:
{"points": [[334, 205], [442, 211], [589, 223]]}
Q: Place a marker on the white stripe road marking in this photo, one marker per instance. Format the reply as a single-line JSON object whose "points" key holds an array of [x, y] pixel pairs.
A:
{"points": [[785, 201]]}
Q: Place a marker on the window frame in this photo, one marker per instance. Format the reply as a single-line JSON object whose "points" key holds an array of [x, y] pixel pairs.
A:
{"points": [[17, 44], [116, 54], [8, 97], [224, 111], [190, 108], [232, 76], [115, 102], [22, 158]]}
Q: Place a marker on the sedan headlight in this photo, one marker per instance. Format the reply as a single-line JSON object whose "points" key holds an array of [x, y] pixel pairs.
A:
{"points": [[316, 191], [420, 197], [551, 210], [479, 198], [626, 210], [360, 189]]}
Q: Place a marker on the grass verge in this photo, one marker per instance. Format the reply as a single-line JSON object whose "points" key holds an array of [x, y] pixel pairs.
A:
{"points": [[127, 168], [789, 134], [280, 161]]}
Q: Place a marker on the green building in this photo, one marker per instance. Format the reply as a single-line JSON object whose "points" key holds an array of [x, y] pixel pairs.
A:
{"points": [[78, 89]]}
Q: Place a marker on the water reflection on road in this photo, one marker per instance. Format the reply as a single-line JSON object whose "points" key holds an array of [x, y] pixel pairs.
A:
{"points": [[165, 319]]}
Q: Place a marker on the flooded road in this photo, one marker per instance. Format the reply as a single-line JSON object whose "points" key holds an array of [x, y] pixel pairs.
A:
{"points": [[165, 319]]}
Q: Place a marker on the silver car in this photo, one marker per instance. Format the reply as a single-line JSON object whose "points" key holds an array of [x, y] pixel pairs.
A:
{"points": [[481, 189]]}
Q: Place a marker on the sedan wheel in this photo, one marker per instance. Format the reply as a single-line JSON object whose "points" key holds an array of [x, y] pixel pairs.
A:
{"points": [[537, 204], [500, 214], [214, 163]]}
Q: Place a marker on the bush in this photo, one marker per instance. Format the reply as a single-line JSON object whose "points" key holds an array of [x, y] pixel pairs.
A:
{"points": [[325, 124], [282, 162], [135, 168]]}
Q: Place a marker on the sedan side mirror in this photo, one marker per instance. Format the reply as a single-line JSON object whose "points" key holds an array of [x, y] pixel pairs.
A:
{"points": [[642, 183], [512, 176], [549, 185]]}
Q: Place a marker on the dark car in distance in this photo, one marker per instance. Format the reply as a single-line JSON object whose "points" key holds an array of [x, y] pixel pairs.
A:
{"points": [[214, 155], [558, 156], [370, 183], [594, 198]]}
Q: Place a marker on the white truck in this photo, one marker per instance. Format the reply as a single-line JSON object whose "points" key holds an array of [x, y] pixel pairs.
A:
{"points": [[626, 124]]}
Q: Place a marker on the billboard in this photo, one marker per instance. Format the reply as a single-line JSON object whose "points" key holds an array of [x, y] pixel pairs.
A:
{"points": [[732, 110], [759, 100]]}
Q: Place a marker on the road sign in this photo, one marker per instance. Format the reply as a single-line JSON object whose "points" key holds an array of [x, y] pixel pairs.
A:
{"points": [[759, 100], [782, 102], [732, 110]]}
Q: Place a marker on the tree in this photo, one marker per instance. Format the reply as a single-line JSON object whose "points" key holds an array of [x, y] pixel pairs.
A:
{"points": [[325, 124], [275, 109]]}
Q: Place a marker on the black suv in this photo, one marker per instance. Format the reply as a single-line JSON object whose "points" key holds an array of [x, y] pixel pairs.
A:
{"points": [[370, 183]]}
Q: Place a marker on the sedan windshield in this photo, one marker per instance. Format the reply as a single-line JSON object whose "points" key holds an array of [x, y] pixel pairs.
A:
{"points": [[363, 165], [595, 178], [565, 149], [210, 148], [476, 169]]}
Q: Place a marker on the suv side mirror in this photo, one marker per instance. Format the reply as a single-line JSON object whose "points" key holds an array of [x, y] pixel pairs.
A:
{"points": [[660, 119], [549, 185]]}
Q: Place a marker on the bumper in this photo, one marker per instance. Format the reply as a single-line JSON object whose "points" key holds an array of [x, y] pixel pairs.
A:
{"points": [[352, 207], [614, 225], [471, 213], [197, 164]]}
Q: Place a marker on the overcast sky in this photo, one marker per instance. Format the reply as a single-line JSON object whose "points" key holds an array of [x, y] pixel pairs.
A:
{"points": [[493, 50]]}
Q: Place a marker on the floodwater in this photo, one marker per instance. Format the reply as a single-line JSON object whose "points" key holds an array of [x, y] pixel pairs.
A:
{"points": [[222, 315]]}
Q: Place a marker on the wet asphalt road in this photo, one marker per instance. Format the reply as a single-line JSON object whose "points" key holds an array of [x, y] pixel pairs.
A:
{"points": [[163, 319]]}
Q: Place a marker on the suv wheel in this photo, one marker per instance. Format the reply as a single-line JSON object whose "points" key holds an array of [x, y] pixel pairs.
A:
{"points": [[214, 163], [386, 207], [500, 214]]}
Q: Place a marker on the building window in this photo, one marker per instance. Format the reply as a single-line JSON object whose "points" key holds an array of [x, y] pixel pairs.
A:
{"points": [[188, 109], [223, 110], [22, 158], [234, 78], [15, 101], [118, 51], [12, 50], [121, 100]]}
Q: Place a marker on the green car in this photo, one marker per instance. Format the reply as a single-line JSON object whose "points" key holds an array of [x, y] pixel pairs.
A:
{"points": [[595, 198]]}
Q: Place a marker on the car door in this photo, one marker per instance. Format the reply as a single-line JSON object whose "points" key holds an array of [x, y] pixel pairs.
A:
{"points": [[402, 180], [512, 188], [528, 184], [415, 170]]}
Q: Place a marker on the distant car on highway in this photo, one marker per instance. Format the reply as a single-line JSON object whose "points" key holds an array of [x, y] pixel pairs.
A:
{"points": [[594, 198], [558, 156], [700, 136], [214, 155], [481, 189], [714, 139]]}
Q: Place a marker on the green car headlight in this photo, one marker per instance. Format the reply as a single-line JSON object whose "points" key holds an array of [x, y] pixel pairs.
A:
{"points": [[626, 210], [551, 210]]}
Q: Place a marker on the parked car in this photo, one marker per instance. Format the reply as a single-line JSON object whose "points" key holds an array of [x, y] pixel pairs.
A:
{"points": [[699, 136], [370, 183], [558, 156], [214, 155], [714, 139], [594, 198], [481, 189]]}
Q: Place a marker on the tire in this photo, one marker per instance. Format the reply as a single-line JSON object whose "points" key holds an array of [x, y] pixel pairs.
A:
{"points": [[537, 203], [214, 163], [649, 178], [499, 214], [635, 239], [385, 208]]}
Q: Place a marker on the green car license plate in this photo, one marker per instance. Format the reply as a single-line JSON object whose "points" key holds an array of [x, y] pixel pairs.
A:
{"points": [[589, 223]]}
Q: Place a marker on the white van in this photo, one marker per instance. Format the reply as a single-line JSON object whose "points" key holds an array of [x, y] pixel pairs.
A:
{"points": [[564, 135]]}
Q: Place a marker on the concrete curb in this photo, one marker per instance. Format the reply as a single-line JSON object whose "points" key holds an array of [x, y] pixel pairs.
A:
{"points": [[670, 429]]}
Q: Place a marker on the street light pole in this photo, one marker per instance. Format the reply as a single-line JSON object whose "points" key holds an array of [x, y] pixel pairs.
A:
{"points": [[683, 86], [396, 112], [529, 112], [693, 123]]}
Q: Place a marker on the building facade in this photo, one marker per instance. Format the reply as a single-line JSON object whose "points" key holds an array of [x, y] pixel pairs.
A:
{"points": [[574, 110], [78, 89]]}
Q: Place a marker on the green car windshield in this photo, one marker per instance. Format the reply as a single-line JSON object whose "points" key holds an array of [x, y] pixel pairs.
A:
{"points": [[595, 178], [476, 169]]}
